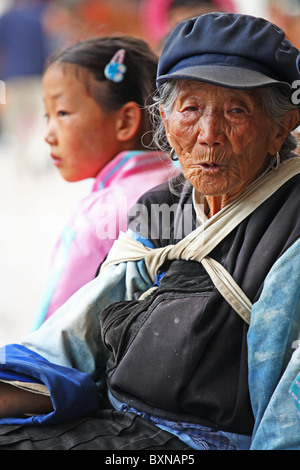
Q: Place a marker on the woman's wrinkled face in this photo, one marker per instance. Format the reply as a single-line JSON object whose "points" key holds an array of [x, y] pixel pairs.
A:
{"points": [[222, 137]]}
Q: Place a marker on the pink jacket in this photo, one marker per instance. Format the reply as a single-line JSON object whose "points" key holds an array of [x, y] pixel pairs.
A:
{"points": [[96, 223]]}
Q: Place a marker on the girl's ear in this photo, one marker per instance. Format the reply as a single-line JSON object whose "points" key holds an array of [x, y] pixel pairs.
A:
{"points": [[128, 122]]}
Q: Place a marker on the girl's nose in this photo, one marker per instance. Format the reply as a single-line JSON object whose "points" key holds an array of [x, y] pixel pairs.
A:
{"points": [[50, 134]]}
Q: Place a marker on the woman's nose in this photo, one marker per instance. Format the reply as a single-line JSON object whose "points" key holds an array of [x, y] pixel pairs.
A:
{"points": [[211, 133]]}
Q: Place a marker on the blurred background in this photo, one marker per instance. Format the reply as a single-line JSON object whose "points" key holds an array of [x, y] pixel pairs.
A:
{"points": [[34, 200]]}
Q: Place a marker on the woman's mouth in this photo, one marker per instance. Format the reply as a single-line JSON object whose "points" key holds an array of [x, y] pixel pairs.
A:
{"points": [[210, 167]]}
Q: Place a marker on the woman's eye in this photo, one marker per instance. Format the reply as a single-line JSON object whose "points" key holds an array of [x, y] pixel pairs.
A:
{"points": [[236, 113], [237, 110], [190, 109]]}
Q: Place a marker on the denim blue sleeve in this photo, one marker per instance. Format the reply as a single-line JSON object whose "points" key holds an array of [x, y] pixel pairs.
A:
{"points": [[73, 393], [272, 358]]}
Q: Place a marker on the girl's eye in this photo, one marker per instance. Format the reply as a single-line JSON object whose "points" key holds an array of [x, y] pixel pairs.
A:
{"points": [[62, 113]]}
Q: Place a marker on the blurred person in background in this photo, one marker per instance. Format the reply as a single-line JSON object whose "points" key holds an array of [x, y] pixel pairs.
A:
{"points": [[23, 51], [61, 23], [286, 15], [22, 39], [160, 16], [102, 17]]}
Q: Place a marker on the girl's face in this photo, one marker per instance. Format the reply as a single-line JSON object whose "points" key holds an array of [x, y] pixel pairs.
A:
{"points": [[82, 137]]}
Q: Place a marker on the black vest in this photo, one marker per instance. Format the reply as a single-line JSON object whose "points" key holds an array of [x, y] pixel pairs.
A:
{"points": [[181, 353]]}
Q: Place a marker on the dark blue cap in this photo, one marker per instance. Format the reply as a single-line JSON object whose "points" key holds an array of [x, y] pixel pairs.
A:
{"points": [[230, 50]]}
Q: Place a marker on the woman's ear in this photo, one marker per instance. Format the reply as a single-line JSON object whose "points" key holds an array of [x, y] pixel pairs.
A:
{"points": [[288, 123], [290, 120], [128, 122]]}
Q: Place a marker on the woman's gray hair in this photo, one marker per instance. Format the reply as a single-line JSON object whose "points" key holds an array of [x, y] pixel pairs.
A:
{"points": [[276, 103], [164, 99]]}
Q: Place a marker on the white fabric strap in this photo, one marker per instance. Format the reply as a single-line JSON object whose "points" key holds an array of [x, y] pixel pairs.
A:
{"points": [[199, 243], [229, 289]]}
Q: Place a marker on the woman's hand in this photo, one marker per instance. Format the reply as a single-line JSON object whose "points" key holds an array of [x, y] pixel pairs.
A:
{"points": [[15, 401]]}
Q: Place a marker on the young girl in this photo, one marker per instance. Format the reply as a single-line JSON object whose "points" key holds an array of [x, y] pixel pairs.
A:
{"points": [[95, 93]]}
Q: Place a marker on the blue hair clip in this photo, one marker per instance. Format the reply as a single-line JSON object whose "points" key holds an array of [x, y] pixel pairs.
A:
{"points": [[116, 69]]}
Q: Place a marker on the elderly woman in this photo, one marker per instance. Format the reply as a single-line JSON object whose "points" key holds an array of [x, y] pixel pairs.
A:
{"points": [[189, 329]]}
